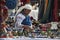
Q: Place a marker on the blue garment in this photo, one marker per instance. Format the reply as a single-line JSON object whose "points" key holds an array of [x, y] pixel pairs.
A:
{"points": [[27, 21]]}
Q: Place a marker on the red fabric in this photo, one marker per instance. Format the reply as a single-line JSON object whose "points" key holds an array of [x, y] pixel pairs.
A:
{"points": [[5, 12], [3, 15], [4, 25], [31, 18], [3, 36], [28, 1], [2, 2], [55, 10], [59, 18], [25, 1], [43, 27]]}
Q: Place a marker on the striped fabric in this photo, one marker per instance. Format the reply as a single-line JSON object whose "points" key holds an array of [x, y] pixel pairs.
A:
{"points": [[48, 10]]}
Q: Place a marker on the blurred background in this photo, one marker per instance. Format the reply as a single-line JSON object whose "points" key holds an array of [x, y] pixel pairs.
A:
{"points": [[45, 17]]}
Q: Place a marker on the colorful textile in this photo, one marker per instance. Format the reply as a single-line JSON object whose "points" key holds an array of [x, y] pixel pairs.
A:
{"points": [[55, 11], [48, 11]]}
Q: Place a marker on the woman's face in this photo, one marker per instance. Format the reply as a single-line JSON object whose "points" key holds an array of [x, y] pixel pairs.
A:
{"points": [[27, 11]]}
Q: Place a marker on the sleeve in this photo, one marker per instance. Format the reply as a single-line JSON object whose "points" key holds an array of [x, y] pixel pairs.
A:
{"points": [[19, 19]]}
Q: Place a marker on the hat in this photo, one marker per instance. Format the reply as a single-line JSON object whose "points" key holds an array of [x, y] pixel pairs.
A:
{"points": [[28, 6]]}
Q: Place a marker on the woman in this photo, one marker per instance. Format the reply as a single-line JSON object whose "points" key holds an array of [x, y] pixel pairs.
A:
{"points": [[23, 20]]}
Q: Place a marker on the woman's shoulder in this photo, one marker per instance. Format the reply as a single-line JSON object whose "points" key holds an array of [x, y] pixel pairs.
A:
{"points": [[20, 15]]}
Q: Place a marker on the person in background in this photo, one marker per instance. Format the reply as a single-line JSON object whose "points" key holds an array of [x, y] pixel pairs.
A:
{"points": [[34, 12]]}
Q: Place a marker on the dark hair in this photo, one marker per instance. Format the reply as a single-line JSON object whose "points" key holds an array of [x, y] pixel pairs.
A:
{"points": [[22, 11]]}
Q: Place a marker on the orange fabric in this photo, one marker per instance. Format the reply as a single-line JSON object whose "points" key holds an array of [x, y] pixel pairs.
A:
{"points": [[46, 5], [28, 1]]}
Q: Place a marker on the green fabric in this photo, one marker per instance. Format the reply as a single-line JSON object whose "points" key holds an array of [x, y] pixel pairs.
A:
{"points": [[48, 15]]}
